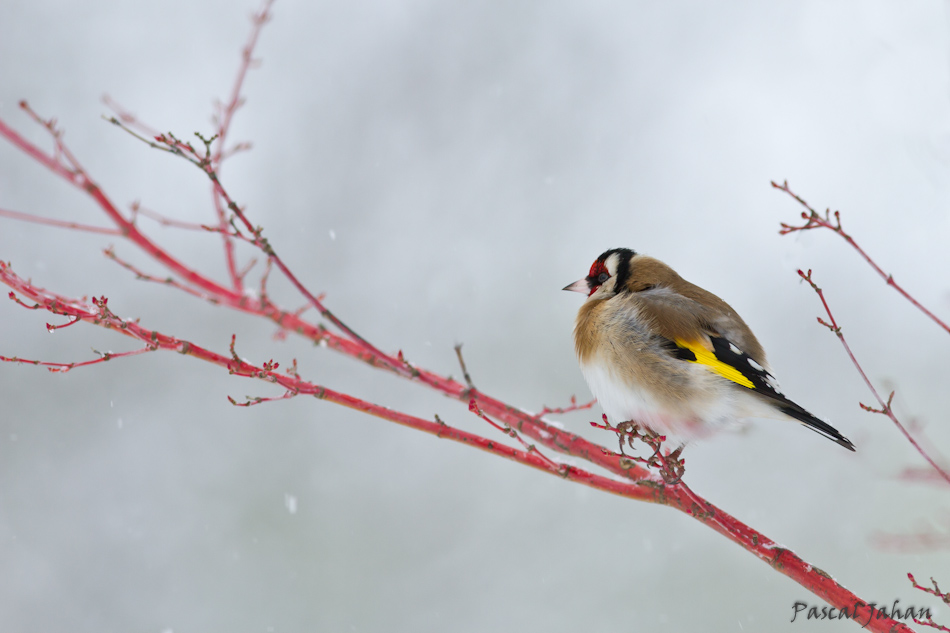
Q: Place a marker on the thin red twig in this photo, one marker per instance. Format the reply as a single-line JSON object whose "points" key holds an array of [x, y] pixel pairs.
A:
{"points": [[64, 367], [128, 118], [225, 117], [568, 409], [507, 430], [885, 406], [227, 111], [943, 595], [28, 217], [139, 274], [813, 221], [137, 210], [250, 401]]}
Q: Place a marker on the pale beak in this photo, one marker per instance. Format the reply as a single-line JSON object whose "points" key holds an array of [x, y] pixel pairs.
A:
{"points": [[579, 286]]}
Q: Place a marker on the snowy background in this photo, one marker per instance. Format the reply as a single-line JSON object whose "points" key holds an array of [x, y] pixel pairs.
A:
{"points": [[441, 171]]}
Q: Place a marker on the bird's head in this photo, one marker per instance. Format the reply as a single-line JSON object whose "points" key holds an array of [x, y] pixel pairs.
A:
{"points": [[608, 274]]}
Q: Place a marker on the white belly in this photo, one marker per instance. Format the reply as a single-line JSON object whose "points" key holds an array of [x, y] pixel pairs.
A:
{"points": [[708, 404]]}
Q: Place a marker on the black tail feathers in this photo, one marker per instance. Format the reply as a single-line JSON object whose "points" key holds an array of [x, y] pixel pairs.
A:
{"points": [[816, 425]]}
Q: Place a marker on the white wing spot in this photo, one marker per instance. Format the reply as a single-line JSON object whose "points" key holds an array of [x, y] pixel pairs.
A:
{"points": [[755, 365], [734, 349]]}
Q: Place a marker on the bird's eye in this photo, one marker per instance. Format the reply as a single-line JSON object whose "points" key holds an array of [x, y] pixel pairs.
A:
{"points": [[602, 277]]}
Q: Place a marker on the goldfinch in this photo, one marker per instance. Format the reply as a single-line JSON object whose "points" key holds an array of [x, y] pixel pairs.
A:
{"points": [[662, 352]]}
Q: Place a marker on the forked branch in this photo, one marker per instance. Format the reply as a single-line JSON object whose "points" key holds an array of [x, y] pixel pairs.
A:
{"points": [[656, 479]]}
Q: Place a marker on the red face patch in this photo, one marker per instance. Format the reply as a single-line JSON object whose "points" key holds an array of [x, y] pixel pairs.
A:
{"points": [[597, 268], [598, 275]]}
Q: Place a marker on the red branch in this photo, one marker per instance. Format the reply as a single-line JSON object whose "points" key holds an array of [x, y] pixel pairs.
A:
{"points": [[572, 407], [886, 408], [627, 478], [76, 226], [943, 595], [507, 430], [99, 313], [64, 367], [224, 118], [814, 221], [138, 209]]}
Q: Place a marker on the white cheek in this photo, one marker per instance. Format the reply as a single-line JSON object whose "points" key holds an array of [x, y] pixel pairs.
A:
{"points": [[604, 290]]}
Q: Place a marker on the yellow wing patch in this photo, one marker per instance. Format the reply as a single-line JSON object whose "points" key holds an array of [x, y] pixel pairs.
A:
{"points": [[708, 358]]}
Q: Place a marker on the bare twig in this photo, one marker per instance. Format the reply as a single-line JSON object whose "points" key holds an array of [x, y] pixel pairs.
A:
{"points": [[568, 409], [468, 379], [814, 220], [945, 596], [76, 226], [885, 406]]}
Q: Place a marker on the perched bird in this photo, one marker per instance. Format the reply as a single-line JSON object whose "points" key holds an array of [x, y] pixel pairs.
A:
{"points": [[662, 352]]}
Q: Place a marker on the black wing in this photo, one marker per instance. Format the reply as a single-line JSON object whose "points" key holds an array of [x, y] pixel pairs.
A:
{"points": [[730, 362]]}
